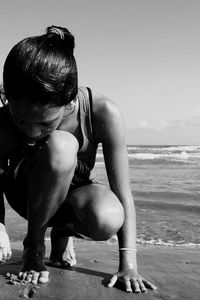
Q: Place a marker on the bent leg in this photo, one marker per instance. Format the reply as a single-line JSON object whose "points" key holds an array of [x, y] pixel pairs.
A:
{"points": [[49, 180], [47, 185], [99, 214]]}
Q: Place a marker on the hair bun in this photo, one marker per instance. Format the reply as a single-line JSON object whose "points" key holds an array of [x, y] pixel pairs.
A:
{"points": [[63, 33]]}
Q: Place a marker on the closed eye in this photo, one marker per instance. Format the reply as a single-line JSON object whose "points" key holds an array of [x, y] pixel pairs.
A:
{"points": [[45, 124]]}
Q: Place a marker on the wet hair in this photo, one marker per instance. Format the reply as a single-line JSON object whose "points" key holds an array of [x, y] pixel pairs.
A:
{"points": [[42, 69]]}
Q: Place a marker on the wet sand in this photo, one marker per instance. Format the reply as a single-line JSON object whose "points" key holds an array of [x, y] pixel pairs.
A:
{"points": [[175, 271]]}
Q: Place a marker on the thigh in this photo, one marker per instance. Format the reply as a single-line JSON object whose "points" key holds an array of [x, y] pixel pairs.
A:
{"points": [[82, 198], [84, 206], [98, 213], [87, 202], [91, 196]]}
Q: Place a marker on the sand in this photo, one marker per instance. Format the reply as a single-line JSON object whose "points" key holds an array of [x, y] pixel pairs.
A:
{"points": [[175, 271]]}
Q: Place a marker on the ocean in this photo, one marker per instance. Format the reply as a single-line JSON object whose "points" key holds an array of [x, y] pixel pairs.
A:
{"points": [[165, 182]]}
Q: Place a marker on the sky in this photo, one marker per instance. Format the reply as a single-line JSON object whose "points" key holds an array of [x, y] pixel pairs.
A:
{"points": [[142, 54]]}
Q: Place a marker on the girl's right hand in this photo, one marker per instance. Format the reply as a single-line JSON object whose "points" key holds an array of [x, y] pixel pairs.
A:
{"points": [[5, 250]]}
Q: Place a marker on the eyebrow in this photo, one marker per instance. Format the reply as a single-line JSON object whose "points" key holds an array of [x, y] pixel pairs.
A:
{"points": [[45, 122]]}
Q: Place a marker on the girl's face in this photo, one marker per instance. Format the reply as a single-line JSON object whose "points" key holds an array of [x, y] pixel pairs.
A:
{"points": [[36, 121]]}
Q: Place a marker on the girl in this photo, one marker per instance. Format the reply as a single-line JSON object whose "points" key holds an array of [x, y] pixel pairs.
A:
{"points": [[49, 133]]}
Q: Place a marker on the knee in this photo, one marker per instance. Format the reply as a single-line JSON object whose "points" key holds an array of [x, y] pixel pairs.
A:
{"points": [[61, 150], [107, 218]]}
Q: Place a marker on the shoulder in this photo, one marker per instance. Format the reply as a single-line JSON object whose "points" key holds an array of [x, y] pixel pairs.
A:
{"points": [[107, 117], [104, 107]]}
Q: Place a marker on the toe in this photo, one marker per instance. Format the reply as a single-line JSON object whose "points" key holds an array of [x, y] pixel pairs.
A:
{"points": [[43, 277], [24, 275], [35, 278]]}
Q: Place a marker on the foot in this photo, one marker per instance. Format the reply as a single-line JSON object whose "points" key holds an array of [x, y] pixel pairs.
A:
{"points": [[62, 249], [34, 270]]}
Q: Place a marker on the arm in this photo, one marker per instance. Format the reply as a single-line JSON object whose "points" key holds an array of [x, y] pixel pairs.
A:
{"points": [[2, 205], [111, 134], [5, 250], [7, 140], [3, 163]]}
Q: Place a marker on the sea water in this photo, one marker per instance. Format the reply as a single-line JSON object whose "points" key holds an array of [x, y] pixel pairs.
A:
{"points": [[165, 182]]}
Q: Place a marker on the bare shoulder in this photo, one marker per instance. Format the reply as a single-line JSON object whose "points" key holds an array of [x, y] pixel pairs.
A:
{"points": [[103, 106], [107, 117]]}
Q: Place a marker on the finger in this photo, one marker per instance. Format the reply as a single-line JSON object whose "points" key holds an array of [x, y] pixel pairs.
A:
{"points": [[142, 286], [72, 262], [24, 275], [127, 285], [20, 275], [66, 263], [43, 277], [70, 259], [70, 254], [149, 285], [35, 278], [136, 286], [113, 280]]}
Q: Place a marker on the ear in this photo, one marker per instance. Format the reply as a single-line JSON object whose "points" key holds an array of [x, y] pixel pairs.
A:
{"points": [[3, 98], [71, 105]]}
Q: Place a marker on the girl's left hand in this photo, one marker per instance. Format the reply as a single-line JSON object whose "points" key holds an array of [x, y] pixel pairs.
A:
{"points": [[132, 281]]}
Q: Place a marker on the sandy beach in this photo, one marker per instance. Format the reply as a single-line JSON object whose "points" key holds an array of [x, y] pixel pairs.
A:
{"points": [[175, 271]]}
